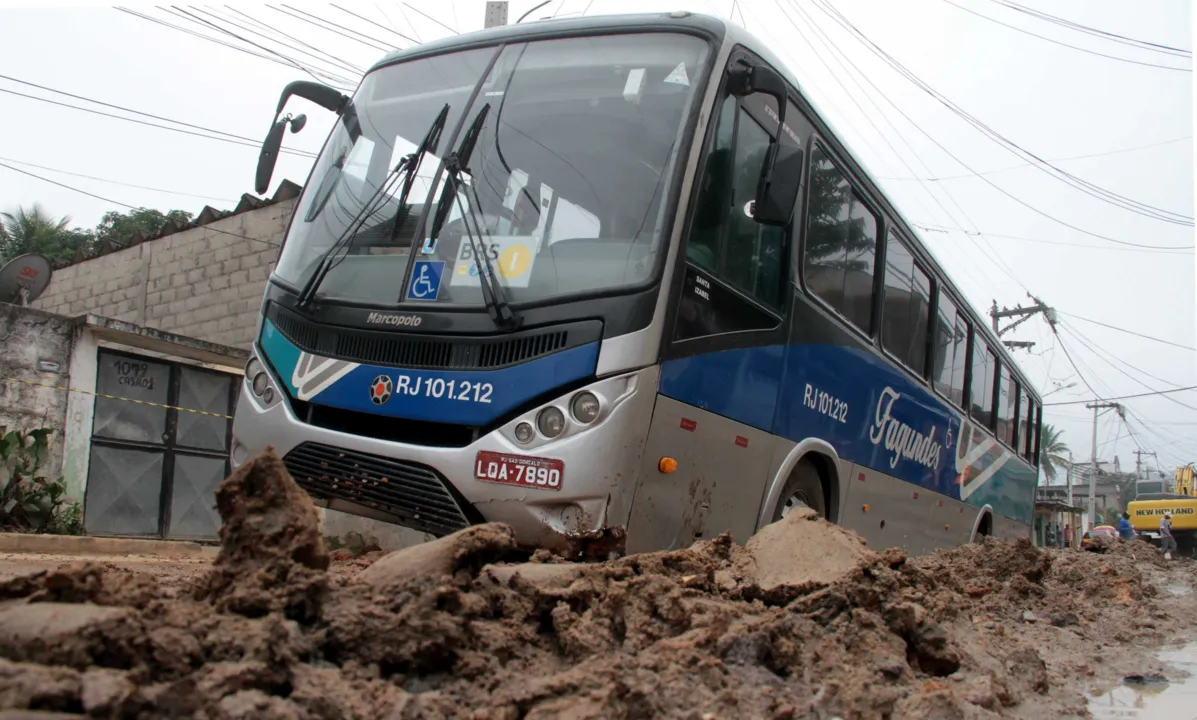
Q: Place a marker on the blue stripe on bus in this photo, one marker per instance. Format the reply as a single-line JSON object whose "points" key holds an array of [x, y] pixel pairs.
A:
{"points": [[870, 412], [478, 397]]}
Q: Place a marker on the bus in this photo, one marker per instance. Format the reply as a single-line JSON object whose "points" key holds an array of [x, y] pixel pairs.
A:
{"points": [[616, 283]]}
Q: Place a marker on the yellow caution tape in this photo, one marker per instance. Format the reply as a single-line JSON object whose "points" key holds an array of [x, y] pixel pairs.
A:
{"points": [[117, 397]]}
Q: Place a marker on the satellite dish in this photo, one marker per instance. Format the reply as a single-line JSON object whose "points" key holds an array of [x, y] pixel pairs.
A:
{"points": [[24, 278]]}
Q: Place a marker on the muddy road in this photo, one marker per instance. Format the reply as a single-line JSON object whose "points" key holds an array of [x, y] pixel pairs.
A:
{"points": [[276, 628]]}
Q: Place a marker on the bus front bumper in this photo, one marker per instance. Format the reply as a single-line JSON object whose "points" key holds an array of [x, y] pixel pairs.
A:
{"points": [[438, 489]]}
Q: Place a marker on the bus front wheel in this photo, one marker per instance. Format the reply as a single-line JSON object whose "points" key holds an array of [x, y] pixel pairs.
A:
{"points": [[803, 489]]}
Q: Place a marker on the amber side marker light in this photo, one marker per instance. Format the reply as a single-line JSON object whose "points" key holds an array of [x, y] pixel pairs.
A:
{"points": [[667, 465]]}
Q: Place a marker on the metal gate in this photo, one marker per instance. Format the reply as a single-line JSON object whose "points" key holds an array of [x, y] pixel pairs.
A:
{"points": [[153, 467]]}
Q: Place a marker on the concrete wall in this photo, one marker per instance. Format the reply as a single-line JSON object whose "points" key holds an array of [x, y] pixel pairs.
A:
{"points": [[205, 283], [35, 347]]}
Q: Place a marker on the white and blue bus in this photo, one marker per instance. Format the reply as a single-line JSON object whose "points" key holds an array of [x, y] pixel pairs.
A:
{"points": [[615, 282]]}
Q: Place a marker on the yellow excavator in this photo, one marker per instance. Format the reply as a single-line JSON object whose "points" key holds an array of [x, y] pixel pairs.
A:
{"points": [[1181, 503]]}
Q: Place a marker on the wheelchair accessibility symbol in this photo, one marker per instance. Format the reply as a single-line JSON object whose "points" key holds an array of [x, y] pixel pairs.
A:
{"points": [[426, 280]]}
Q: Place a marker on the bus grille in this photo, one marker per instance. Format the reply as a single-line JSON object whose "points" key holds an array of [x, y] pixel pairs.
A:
{"points": [[415, 494], [394, 349]]}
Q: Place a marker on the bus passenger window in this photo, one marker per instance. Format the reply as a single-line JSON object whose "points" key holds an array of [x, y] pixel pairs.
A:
{"points": [[1032, 432], [1023, 405], [951, 346], [841, 244], [907, 304], [754, 251], [703, 248], [984, 364], [1007, 394]]}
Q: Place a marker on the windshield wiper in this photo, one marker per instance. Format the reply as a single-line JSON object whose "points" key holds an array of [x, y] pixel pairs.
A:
{"points": [[407, 164], [456, 164]]}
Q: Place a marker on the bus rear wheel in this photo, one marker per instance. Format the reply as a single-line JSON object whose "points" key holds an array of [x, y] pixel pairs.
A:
{"points": [[803, 489]]}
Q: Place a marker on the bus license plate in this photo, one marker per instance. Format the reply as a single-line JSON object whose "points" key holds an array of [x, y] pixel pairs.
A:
{"points": [[520, 470]]}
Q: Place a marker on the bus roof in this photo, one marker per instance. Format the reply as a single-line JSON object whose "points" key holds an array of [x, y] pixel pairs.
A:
{"points": [[717, 30]]}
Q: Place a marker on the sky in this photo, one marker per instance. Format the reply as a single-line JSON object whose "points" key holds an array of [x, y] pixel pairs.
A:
{"points": [[999, 224]]}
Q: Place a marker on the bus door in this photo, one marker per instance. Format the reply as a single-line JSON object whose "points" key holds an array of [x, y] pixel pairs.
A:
{"points": [[723, 356]]}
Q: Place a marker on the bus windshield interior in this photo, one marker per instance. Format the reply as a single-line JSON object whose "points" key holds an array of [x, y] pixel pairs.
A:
{"points": [[564, 189]]}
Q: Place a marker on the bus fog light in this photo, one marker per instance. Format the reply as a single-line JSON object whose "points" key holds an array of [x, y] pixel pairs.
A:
{"points": [[523, 433], [550, 422], [268, 395], [585, 407]]}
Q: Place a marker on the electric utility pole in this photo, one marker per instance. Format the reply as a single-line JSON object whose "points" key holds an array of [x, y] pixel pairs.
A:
{"points": [[1138, 463], [496, 14], [1023, 314], [1097, 406], [1068, 478]]}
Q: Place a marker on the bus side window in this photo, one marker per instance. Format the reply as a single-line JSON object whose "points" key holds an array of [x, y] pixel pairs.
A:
{"points": [[951, 351], [984, 365], [704, 245], [905, 308], [1005, 406], [841, 244], [754, 259], [1024, 405], [1032, 432]]}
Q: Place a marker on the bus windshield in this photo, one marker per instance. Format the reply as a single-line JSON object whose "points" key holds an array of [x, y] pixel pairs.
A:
{"points": [[564, 189]]}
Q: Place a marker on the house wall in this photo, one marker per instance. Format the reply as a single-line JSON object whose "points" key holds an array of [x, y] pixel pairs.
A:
{"points": [[35, 354], [206, 282]]}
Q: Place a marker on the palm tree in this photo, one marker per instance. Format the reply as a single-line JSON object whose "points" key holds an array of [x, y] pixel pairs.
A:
{"points": [[1053, 453], [33, 230]]}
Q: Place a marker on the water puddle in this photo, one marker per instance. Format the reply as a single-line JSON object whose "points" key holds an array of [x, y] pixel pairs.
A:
{"points": [[1147, 697]]}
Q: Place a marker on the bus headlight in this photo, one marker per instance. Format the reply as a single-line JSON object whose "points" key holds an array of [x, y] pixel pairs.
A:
{"points": [[256, 375], [524, 433], [550, 422], [585, 407], [259, 381]]}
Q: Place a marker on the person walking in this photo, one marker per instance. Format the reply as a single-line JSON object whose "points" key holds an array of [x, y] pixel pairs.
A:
{"points": [[1125, 531], [1167, 542]]}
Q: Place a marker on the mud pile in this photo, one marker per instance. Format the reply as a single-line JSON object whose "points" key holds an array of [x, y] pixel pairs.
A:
{"points": [[803, 621]]}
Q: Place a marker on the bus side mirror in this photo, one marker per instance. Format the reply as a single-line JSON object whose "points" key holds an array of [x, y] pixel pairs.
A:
{"points": [[326, 97], [270, 147], [777, 191], [781, 171]]}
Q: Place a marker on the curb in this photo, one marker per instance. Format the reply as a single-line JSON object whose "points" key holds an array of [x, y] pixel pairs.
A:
{"points": [[85, 545]]}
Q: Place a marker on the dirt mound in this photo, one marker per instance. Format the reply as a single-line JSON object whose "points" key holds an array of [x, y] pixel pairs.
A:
{"points": [[272, 556], [803, 621]]}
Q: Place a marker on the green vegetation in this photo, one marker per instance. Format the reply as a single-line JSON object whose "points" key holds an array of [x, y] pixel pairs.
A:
{"points": [[33, 230], [29, 501]]}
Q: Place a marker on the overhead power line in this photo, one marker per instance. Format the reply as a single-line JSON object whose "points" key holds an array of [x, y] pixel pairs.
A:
{"points": [[1166, 49], [1043, 165], [1128, 332], [1104, 358], [834, 51], [125, 205], [372, 22], [943, 228], [131, 111], [1072, 362], [323, 24], [438, 22], [316, 54], [247, 142], [315, 74], [116, 182], [1120, 397], [1064, 44], [1031, 164], [217, 41]]}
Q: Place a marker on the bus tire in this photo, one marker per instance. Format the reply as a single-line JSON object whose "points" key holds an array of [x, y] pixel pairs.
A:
{"points": [[804, 488]]}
